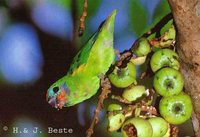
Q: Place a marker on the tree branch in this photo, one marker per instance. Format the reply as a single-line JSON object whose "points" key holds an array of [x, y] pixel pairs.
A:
{"points": [[82, 18], [75, 23]]}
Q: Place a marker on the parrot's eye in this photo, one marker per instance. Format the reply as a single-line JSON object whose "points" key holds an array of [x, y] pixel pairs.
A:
{"points": [[55, 89]]}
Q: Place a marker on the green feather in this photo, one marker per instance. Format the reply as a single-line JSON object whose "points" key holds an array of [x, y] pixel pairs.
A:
{"points": [[102, 54], [83, 54]]}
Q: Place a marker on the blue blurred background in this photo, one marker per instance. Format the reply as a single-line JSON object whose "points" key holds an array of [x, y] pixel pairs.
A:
{"points": [[38, 40]]}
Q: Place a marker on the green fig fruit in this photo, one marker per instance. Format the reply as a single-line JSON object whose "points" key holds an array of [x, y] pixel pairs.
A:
{"points": [[164, 58], [115, 121], [137, 127], [166, 39], [167, 134], [113, 107], [141, 47], [133, 93], [176, 109], [138, 60], [123, 77], [159, 125], [168, 82]]}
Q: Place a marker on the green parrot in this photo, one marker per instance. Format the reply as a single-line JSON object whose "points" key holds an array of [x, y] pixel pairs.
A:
{"points": [[83, 78]]}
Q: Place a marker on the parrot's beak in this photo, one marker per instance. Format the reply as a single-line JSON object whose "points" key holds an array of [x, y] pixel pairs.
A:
{"points": [[53, 102], [58, 101]]}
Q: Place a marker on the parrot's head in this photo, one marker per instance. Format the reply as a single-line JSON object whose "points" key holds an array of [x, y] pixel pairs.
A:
{"points": [[57, 95]]}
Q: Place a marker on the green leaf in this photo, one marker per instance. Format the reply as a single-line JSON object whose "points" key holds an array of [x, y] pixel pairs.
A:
{"points": [[166, 27], [161, 10], [138, 17], [92, 6]]}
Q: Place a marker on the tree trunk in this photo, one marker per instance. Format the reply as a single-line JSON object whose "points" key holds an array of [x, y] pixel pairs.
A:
{"points": [[187, 19]]}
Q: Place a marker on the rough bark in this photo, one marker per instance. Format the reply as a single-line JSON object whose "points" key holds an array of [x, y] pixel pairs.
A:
{"points": [[187, 19]]}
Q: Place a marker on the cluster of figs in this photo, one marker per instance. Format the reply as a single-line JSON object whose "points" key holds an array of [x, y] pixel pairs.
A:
{"points": [[143, 112]]}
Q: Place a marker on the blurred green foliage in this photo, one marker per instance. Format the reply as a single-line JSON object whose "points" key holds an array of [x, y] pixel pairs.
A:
{"points": [[160, 11], [138, 17], [92, 6]]}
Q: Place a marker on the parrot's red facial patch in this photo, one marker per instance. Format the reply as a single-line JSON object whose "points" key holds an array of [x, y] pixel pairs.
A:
{"points": [[61, 99], [58, 96]]}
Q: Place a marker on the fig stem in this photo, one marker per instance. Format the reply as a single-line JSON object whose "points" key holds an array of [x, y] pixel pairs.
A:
{"points": [[142, 109], [106, 89], [120, 99], [150, 95], [173, 131], [136, 110], [124, 58]]}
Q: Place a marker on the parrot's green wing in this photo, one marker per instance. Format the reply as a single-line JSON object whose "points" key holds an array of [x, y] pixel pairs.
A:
{"points": [[98, 54], [83, 54], [102, 54]]}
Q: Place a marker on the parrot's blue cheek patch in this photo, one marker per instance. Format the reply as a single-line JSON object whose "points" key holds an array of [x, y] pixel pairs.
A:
{"points": [[65, 88]]}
